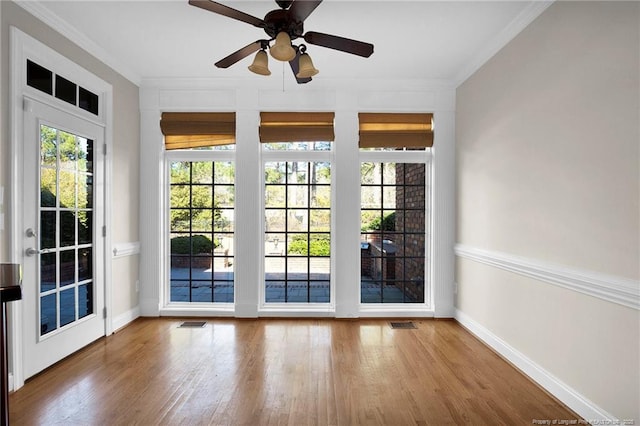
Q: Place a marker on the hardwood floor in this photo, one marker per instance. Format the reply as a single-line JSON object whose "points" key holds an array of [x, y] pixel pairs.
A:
{"points": [[279, 371]]}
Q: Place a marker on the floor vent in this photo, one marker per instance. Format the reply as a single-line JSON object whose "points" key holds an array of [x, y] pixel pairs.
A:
{"points": [[192, 324], [404, 324]]}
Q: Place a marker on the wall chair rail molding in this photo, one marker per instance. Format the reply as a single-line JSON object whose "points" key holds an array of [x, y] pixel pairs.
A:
{"points": [[125, 249], [622, 291]]}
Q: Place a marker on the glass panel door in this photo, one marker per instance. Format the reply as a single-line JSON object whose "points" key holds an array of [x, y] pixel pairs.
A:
{"points": [[63, 214]]}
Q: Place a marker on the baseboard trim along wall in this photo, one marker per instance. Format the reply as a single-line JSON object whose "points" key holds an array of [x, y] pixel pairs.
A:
{"points": [[567, 395], [614, 289], [125, 318]]}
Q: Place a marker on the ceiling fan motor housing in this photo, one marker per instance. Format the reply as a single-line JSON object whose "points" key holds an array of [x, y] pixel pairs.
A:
{"points": [[284, 3], [281, 20]]}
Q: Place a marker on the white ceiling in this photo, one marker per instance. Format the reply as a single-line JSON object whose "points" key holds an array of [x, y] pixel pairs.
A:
{"points": [[426, 40]]}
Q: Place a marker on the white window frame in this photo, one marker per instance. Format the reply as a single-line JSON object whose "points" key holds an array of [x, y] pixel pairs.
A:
{"points": [[414, 157], [190, 308], [265, 308]]}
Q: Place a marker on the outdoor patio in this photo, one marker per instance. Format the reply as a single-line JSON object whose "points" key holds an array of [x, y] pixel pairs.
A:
{"points": [[276, 291]]}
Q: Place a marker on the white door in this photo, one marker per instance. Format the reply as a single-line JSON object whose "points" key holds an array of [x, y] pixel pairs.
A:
{"points": [[63, 285]]}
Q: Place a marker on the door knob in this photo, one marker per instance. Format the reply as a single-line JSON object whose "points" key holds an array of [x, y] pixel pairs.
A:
{"points": [[31, 233], [31, 251]]}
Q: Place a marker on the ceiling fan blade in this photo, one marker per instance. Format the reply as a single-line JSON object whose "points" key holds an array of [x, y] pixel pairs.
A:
{"points": [[354, 47], [221, 9], [240, 54], [295, 67], [300, 9]]}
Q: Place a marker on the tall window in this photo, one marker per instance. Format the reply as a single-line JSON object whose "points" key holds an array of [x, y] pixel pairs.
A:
{"points": [[297, 202], [393, 232], [201, 169], [394, 205], [201, 231], [297, 231]]}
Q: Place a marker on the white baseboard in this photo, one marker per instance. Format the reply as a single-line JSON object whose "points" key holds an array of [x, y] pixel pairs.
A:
{"points": [[567, 395], [10, 380], [125, 318]]}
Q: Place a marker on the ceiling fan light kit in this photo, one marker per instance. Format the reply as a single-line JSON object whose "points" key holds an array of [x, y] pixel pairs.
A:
{"points": [[282, 49], [260, 64], [284, 25], [307, 70]]}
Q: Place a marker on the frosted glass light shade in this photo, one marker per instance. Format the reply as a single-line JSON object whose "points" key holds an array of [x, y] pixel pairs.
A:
{"points": [[306, 68], [282, 49], [260, 64]]}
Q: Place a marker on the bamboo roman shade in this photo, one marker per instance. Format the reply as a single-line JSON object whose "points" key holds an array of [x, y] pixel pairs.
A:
{"points": [[389, 130], [296, 126], [184, 130]]}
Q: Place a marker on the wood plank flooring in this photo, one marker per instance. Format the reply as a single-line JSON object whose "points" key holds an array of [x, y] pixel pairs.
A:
{"points": [[283, 372]]}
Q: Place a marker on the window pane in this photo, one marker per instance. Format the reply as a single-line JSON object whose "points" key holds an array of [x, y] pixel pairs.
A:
{"points": [[201, 220], [320, 220], [67, 267], [202, 196], [47, 229], [65, 90], [297, 146], [48, 146], [393, 233], [39, 77], [296, 234], [275, 220], [85, 264], [275, 172], [224, 195], [224, 172], [67, 189], [275, 196], [180, 196], [180, 172], [48, 313], [88, 101], [67, 306], [202, 172], [47, 272], [85, 227], [320, 196], [201, 261], [85, 300]]}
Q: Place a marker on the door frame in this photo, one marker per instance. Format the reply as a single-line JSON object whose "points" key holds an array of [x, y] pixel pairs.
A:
{"points": [[23, 47]]}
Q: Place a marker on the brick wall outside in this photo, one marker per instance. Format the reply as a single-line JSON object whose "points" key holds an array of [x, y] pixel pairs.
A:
{"points": [[410, 229]]}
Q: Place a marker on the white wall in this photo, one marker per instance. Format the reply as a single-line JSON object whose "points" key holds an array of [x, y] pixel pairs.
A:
{"points": [[548, 186]]}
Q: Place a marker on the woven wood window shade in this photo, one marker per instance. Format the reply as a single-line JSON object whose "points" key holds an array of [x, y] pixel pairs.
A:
{"points": [[388, 130], [183, 130], [296, 127]]}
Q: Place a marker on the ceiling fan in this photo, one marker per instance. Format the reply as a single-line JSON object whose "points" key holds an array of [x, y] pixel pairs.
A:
{"points": [[283, 25]]}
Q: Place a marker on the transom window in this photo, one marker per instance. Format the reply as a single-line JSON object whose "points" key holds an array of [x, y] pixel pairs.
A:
{"points": [[46, 81]]}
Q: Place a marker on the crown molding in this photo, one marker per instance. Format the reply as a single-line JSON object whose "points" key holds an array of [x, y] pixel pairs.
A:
{"points": [[514, 28], [623, 291], [40, 11]]}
